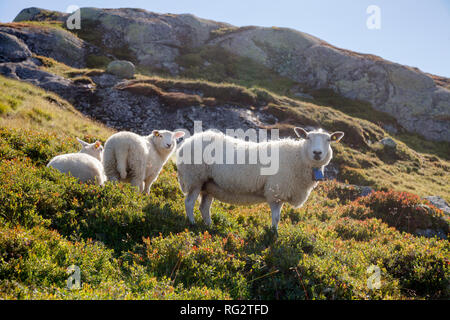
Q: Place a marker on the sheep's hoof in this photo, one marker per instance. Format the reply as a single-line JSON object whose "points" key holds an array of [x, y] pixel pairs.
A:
{"points": [[274, 230]]}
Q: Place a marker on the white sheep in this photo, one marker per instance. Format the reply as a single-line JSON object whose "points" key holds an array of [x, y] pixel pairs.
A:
{"points": [[300, 161], [138, 159], [85, 165]]}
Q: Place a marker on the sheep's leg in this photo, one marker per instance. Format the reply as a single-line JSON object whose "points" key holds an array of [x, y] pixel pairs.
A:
{"points": [[189, 203], [114, 177], [137, 182], [121, 160], [138, 177], [148, 183], [205, 206], [275, 207], [111, 173]]}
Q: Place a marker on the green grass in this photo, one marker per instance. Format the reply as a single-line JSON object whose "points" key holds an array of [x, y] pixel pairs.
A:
{"points": [[9, 102], [31, 108], [97, 61], [60, 69]]}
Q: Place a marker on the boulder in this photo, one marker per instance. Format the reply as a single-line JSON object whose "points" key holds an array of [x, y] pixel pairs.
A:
{"points": [[121, 68], [389, 142], [13, 49], [439, 203]]}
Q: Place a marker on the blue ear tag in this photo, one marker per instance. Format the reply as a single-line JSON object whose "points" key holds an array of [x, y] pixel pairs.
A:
{"points": [[318, 174]]}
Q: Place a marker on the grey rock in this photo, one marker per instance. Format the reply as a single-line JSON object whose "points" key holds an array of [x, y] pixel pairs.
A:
{"points": [[365, 191], [390, 128], [331, 171], [12, 49], [29, 72], [388, 142], [439, 203], [37, 14], [430, 233], [121, 68], [52, 42]]}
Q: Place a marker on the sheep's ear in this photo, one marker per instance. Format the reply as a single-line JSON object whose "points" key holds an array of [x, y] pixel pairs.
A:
{"points": [[301, 133], [97, 144], [178, 134], [336, 136], [83, 143], [156, 133]]}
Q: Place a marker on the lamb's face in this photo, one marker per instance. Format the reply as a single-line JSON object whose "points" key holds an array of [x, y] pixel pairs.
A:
{"points": [[317, 144], [166, 140], [93, 149]]}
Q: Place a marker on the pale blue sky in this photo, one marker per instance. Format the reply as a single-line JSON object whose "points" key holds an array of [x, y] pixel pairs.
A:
{"points": [[413, 32]]}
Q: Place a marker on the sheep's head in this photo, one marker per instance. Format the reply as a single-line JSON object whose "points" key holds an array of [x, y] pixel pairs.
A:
{"points": [[93, 149], [318, 144], [166, 140]]}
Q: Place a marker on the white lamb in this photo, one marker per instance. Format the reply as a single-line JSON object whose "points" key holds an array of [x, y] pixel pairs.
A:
{"points": [[300, 161], [85, 165], [138, 159]]}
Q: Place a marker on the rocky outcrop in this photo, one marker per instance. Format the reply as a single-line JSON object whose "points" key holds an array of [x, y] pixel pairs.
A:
{"points": [[125, 110], [418, 101], [52, 42], [16, 62], [12, 49], [117, 108], [151, 39]]}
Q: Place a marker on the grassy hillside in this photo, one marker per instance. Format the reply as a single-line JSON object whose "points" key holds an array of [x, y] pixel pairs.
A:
{"points": [[132, 246]]}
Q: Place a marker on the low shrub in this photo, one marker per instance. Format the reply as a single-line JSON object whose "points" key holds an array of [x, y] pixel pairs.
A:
{"points": [[197, 260], [402, 210]]}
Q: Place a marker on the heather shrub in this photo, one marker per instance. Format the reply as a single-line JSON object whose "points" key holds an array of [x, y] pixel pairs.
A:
{"points": [[345, 193], [40, 257], [196, 260], [134, 246], [402, 210]]}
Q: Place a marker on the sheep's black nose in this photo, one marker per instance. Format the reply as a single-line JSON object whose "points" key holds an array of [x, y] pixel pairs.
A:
{"points": [[317, 155]]}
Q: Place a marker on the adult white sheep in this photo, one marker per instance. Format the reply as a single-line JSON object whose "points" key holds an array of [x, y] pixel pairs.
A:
{"points": [[85, 165], [301, 164], [138, 159]]}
